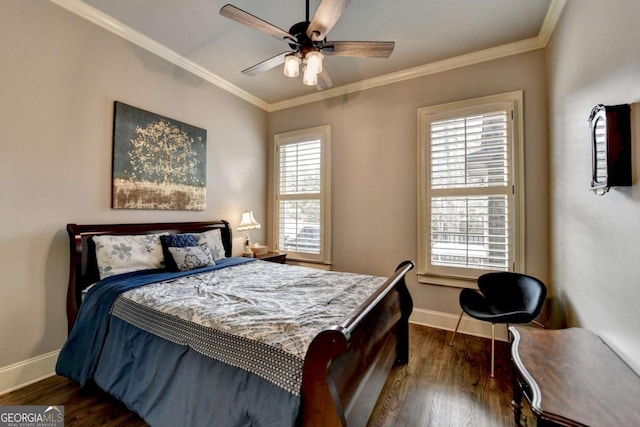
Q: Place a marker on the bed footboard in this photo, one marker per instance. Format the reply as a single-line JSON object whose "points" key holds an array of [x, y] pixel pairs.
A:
{"points": [[347, 365]]}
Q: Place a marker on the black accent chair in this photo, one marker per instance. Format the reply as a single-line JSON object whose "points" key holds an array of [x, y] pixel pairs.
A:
{"points": [[504, 297]]}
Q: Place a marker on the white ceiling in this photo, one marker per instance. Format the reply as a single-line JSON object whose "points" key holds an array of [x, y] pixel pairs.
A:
{"points": [[425, 32]]}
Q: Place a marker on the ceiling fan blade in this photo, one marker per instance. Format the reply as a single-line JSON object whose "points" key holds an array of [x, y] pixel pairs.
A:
{"points": [[325, 18], [245, 18], [324, 80], [266, 64], [359, 49]]}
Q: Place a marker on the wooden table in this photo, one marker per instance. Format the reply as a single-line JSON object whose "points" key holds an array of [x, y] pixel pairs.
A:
{"points": [[572, 378], [277, 257]]}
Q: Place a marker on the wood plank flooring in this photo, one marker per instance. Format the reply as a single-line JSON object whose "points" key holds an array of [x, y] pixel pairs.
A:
{"points": [[447, 385], [441, 386]]}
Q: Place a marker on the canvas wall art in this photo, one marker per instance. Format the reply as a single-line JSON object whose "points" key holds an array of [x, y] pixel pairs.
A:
{"points": [[158, 163]]}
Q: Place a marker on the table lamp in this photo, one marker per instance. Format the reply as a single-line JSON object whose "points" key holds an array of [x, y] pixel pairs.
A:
{"points": [[248, 222]]}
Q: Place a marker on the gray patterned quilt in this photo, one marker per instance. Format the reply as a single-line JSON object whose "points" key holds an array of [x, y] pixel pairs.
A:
{"points": [[258, 316]]}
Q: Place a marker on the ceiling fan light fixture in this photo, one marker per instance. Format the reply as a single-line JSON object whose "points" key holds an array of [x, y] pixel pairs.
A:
{"points": [[314, 61], [310, 77], [307, 40], [292, 66]]}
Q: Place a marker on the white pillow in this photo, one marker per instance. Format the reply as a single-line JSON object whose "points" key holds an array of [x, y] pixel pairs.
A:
{"points": [[190, 257], [213, 240], [122, 254]]}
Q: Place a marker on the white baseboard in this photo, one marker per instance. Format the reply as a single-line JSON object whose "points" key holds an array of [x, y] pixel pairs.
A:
{"points": [[29, 371], [447, 321]]}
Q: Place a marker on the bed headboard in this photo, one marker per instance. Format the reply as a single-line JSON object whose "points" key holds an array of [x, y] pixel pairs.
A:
{"points": [[83, 268]]}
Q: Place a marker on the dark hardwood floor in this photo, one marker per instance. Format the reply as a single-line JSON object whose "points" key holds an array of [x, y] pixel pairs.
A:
{"points": [[447, 385], [441, 386]]}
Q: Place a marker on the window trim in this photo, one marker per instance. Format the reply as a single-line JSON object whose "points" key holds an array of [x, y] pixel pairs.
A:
{"points": [[517, 147], [324, 134]]}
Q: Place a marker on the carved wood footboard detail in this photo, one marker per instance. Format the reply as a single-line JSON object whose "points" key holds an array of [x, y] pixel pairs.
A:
{"points": [[346, 366]]}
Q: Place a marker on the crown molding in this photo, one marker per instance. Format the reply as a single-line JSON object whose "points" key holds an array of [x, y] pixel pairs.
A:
{"points": [[497, 52], [540, 41], [550, 21], [107, 22]]}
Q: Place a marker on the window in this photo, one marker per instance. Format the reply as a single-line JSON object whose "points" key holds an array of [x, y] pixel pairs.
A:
{"points": [[302, 184], [470, 195]]}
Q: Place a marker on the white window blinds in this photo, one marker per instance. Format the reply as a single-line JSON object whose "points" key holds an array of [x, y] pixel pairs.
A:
{"points": [[467, 179], [470, 151], [300, 168], [300, 185], [301, 225]]}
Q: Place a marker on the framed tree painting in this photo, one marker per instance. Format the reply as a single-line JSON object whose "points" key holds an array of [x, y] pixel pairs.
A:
{"points": [[158, 163]]}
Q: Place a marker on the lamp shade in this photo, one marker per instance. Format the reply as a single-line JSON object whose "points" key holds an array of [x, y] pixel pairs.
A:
{"points": [[314, 61], [309, 78], [248, 222], [291, 66]]}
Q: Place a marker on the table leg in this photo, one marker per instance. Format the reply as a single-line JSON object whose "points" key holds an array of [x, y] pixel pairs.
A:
{"points": [[516, 403], [516, 406]]}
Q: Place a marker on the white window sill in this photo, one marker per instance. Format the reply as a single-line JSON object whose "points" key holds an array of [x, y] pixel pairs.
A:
{"points": [[307, 263], [450, 281]]}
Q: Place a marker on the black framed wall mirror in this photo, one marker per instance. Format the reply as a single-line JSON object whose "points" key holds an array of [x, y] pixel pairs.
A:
{"points": [[610, 127]]}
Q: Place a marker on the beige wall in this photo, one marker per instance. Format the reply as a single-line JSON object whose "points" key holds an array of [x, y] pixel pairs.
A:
{"points": [[59, 77], [374, 165], [594, 58], [60, 74]]}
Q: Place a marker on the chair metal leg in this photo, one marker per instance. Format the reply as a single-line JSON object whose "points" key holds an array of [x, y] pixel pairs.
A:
{"points": [[493, 348], [543, 318], [535, 322], [456, 329]]}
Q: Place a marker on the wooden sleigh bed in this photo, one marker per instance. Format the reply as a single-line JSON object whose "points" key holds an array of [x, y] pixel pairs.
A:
{"points": [[346, 365]]}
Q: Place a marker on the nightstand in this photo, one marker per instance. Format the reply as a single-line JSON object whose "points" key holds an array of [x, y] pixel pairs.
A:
{"points": [[278, 257]]}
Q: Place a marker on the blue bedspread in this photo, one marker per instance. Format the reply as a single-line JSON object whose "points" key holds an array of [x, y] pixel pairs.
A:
{"points": [[171, 385], [79, 356]]}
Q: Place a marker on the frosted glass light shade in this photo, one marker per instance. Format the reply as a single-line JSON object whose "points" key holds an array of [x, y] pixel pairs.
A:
{"points": [[291, 66], [309, 78], [314, 61]]}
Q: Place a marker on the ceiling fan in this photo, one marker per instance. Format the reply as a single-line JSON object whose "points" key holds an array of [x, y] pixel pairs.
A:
{"points": [[308, 42]]}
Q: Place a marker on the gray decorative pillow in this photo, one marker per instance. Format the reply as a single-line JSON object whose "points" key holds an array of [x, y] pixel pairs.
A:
{"points": [[175, 241], [213, 240], [122, 254], [191, 257]]}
